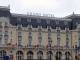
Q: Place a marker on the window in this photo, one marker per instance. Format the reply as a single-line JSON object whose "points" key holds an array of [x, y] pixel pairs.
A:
{"points": [[49, 56], [67, 29], [65, 22], [39, 42], [29, 27], [29, 19], [29, 42], [11, 41], [19, 55], [0, 32], [38, 20], [30, 55], [6, 41], [58, 42], [18, 19], [58, 29], [19, 26], [19, 33], [49, 36], [6, 32], [39, 55], [57, 22], [39, 35], [48, 21], [2, 54], [11, 32], [67, 37], [39, 27], [19, 42], [58, 35], [67, 44], [29, 35]]}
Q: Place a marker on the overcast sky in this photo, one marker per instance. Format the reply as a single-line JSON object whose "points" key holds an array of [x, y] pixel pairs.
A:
{"points": [[59, 8]]}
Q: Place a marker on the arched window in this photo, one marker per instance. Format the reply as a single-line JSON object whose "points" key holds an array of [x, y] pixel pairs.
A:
{"points": [[39, 55], [67, 55], [19, 55], [58, 55], [49, 55], [2, 54], [29, 55]]}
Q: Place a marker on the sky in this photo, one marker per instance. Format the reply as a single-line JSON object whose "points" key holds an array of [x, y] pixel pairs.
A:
{"points": [[59, 8]]}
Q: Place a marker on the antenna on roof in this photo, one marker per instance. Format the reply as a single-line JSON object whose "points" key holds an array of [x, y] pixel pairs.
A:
{"points": [[9, 6]]}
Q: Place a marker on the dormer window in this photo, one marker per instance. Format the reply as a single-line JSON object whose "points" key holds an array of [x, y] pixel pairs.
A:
{"points": [[67, 30], [39, 28], [57, 22], [65, 22], [38, 20], [48, 21], [67, 37], [29, 19], [49, 28], [18, 19], [58, 29], [19, 26], [29, 27]]}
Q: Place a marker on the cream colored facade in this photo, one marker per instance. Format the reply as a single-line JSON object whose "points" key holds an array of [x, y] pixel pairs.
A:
{"points": [[13, 36]]}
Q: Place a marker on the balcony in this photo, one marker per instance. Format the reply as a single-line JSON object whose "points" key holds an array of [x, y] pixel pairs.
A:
{"points": [[19, 37], [6, 27], [40, 47], [6, 36], [58, 47]]}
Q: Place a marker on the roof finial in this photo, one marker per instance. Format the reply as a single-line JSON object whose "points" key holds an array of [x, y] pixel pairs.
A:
{"points": [[9, 6]]}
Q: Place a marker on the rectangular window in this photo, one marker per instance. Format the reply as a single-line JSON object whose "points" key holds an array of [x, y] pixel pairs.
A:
{"points": [[6, 41], [39, 35], [11, 41], [0, 32], [29, 19], [39, 43], [29, 35], [39, 27], [49, 36], [67, 37], [48, 21], [38, 20], [19, 42], [57, 22], [19, 33], [79, 43], [6, 32], [18, 19], [19, 26], [58, 35], [0, 23], [29, 42], [67, 43]]}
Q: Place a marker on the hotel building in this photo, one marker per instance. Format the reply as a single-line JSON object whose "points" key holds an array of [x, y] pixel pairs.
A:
{"points": [[38, 37]]}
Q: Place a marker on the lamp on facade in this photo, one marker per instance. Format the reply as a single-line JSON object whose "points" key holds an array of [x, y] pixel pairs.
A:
{"points": [[50, 43]]}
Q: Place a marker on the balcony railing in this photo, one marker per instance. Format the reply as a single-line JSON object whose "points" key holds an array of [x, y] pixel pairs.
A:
{"points": [[30, 29]]}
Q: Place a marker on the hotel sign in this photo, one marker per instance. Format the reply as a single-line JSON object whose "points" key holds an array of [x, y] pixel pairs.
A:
{"points": [[39, 14]]}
